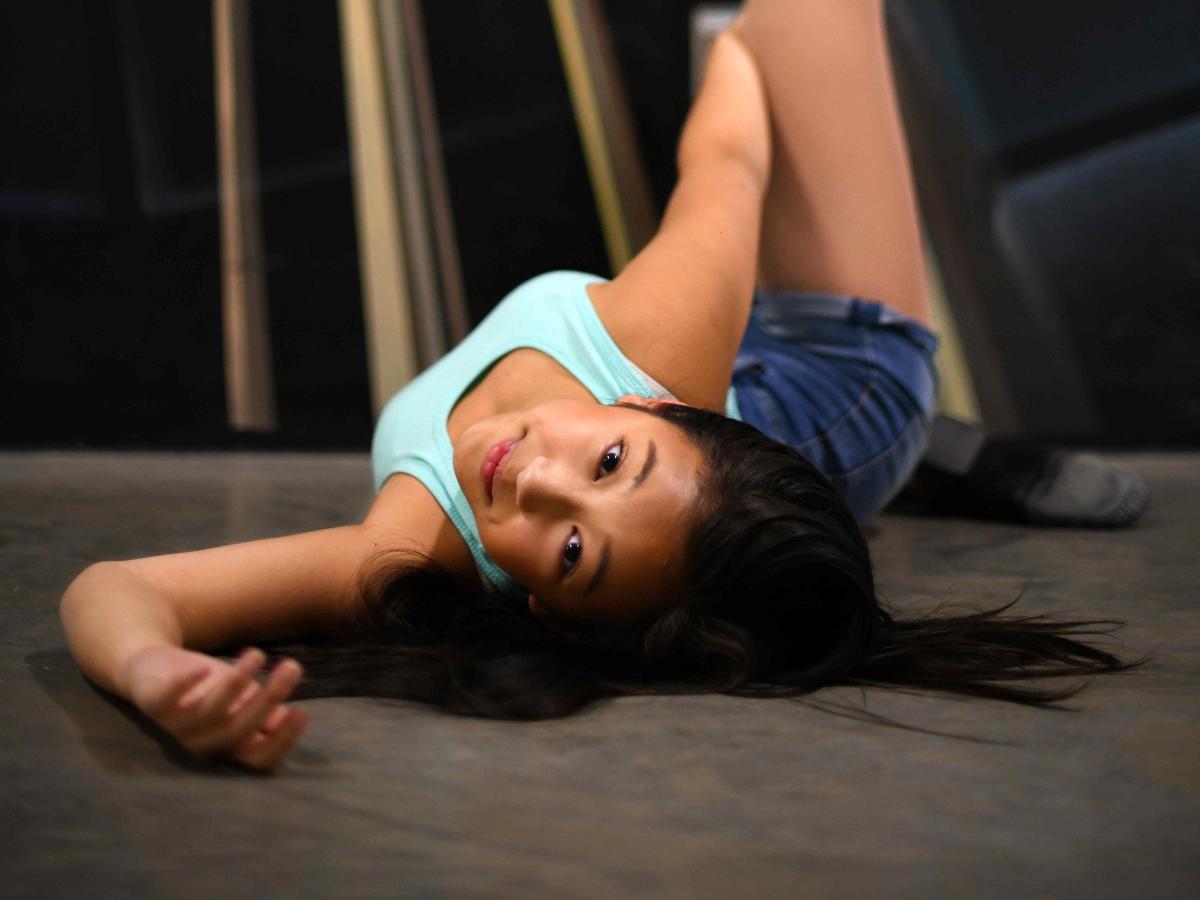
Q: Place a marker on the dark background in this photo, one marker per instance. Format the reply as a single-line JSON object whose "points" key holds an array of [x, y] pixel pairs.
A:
{"points": [[110, 287], [1056, 150]]}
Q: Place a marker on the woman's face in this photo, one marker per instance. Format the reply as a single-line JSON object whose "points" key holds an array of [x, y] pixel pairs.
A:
{"points": [[586, 508]]}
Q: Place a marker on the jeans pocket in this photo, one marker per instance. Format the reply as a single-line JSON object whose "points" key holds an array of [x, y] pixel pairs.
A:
{"points": [[870, 487]]}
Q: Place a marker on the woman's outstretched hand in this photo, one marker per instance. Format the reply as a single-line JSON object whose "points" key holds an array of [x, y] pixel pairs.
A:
{"points": [[217, 709]]}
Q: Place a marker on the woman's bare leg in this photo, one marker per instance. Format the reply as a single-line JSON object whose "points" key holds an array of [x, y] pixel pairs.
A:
{"points": [[840, 213]]}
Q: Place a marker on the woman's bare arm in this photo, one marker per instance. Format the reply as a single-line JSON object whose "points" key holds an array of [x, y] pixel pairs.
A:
{"points": [[679, 309], [135, 627], [218, 597]]}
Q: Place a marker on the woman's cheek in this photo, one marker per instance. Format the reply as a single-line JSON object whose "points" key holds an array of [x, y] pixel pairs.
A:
{"points": [[519, 550]]}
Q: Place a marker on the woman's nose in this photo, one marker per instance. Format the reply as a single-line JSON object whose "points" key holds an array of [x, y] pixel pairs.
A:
{"points": [[544, 487]]}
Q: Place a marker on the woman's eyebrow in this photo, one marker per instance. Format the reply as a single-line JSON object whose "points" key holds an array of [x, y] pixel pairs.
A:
{"points": [[651, 458]]}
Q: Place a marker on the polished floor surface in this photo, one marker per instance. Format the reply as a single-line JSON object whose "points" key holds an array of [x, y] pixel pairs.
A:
{"points": [[647, 797]]}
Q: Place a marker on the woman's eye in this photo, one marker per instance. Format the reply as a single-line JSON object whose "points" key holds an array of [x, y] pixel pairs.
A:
{"points": [[611, 460], [572, 550]]}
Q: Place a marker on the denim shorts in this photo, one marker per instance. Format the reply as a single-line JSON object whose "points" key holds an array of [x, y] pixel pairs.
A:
{"points": [[848, 382]]}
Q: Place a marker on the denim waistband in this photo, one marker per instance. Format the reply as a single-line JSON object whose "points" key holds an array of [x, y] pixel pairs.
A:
{"points": [[782, 306]]}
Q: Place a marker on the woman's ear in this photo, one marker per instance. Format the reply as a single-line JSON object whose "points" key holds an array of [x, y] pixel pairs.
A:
{"points": [[649, 402], [547, 617]]}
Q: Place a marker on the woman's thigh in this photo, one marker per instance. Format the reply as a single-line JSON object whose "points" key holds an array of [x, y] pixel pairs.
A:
{"points": [[848, 382], [840, 212]]}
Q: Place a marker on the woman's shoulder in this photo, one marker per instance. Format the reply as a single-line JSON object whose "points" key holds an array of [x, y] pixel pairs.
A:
{"points": [[560, 283]]}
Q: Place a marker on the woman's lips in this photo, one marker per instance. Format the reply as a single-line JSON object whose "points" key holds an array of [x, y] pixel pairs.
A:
{"points": [[492, 460]]}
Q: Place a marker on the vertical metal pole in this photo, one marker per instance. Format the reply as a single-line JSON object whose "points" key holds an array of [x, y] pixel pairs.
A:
{"points": [[638, 213], [458, 320], [406, 150], [387, 311], [568, 30], [249, 381]]}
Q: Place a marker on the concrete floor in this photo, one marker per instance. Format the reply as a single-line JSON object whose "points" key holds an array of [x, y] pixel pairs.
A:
{"points": [[656, 797]]}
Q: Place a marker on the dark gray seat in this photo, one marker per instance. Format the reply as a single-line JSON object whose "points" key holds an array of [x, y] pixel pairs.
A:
{"points": [[1056, 149]]}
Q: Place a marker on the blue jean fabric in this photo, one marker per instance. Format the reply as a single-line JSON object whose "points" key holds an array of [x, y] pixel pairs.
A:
{"points": [[848, 382]]}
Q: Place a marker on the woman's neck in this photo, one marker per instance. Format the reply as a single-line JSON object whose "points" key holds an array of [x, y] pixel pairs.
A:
{"points": [[519, 380]]}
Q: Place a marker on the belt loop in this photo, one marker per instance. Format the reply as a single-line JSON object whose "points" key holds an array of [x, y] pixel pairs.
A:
{"points": [[748, 362], [867, 312]]}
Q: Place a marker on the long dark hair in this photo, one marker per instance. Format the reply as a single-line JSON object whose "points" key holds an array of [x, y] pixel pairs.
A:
{"points": [[778, 600]]}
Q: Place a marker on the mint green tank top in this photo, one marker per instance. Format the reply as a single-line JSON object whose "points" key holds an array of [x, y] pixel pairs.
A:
{"points": [[551, 313]]}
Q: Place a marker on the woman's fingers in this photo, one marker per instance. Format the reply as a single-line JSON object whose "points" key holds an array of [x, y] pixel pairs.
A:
{"points": [[173, 692], [202, 725], [220, 709], [252, 716], [275, 719], [244, 697], [238, 678], [266, 751]]}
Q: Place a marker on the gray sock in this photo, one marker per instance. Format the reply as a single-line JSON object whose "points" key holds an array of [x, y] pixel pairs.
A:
{"points": [[999, 478], [1083, 489]]}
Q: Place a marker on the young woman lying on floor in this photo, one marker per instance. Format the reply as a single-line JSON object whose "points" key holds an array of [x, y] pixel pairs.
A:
{"points": [[649, 484]]}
